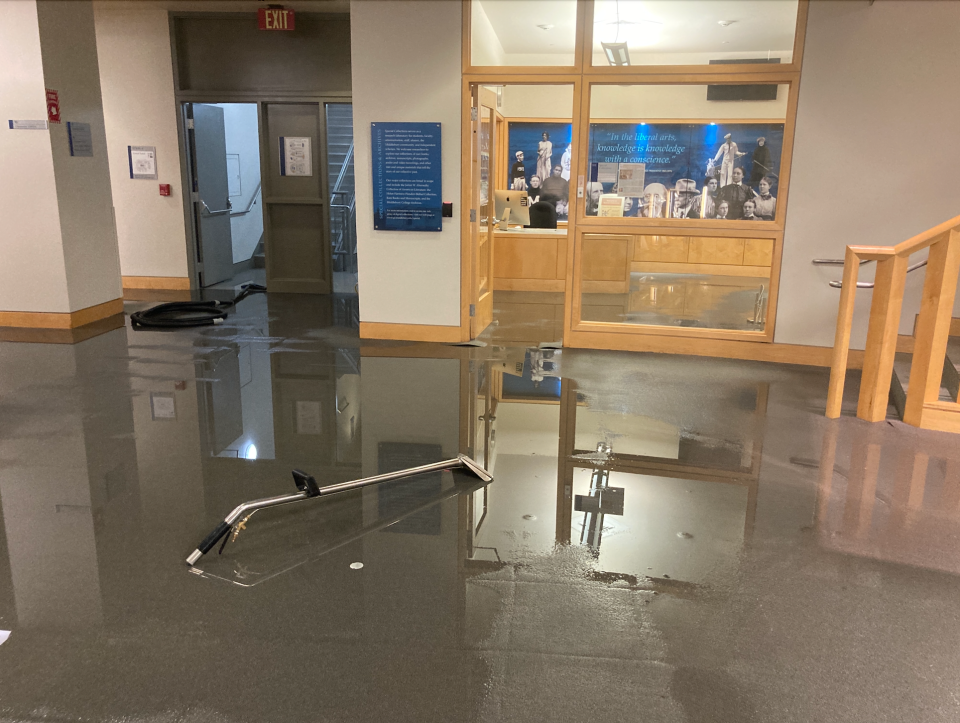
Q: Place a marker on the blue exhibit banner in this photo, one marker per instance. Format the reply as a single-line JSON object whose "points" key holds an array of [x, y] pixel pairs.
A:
{"points": [[682, 159], [407, 189]]}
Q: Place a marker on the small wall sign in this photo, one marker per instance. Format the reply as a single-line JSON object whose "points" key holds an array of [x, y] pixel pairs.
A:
{"points": [[53, 106], [80, 138], [143, 162], [296, 156]]}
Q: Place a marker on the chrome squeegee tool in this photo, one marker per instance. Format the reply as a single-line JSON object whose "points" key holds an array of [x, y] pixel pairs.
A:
{"points": [[308, 489]]}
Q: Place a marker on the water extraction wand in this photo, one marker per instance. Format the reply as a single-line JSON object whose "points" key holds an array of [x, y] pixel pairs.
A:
{"points": [[308, 489]]}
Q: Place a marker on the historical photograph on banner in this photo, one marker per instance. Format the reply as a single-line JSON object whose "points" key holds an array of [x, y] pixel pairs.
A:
{"points": [[538, 162], [689, 170]]}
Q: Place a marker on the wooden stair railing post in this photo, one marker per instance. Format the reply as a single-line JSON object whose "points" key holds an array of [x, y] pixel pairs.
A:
{"points": [[841, 342], [933, 326], [882, 338]]}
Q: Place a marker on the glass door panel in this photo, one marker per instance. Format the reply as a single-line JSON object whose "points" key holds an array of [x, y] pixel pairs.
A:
{"points": [[343, 198]]}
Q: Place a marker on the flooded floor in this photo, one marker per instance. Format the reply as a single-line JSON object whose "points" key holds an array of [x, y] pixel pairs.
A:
{"points": [[665, 539]]}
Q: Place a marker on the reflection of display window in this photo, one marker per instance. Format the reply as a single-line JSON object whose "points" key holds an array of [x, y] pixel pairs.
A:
{"points": [[702, 170]]}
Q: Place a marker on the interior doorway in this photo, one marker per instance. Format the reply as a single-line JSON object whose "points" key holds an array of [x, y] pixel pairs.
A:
{"points": [[295, 85], [273, 194], [522, 157], [224, 154]]}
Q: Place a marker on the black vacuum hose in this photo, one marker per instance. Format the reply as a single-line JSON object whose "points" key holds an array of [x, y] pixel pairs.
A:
{"points": [[183, 314]]}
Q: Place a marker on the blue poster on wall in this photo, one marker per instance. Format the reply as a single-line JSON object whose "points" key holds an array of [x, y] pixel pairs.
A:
{"points": [[538, 161], [407, 190]]}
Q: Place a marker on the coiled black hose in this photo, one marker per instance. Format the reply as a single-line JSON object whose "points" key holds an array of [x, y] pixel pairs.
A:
{"points": [[183, 314]]}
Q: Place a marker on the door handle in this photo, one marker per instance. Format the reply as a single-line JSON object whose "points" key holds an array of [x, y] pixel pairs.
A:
{"points": [[215, 213]]}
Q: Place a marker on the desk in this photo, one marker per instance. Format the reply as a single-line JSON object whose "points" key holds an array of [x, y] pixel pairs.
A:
{"points": [[530, 259]]}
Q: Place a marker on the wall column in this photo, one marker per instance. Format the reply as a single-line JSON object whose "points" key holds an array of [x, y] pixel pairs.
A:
{"points": [[59, 243]]}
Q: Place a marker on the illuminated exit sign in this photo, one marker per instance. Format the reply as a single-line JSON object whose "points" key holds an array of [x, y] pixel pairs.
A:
{"points": [[275, 19]]}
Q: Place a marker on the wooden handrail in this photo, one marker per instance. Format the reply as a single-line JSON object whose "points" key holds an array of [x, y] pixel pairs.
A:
{"points": [[927, 238], [933, 326]]}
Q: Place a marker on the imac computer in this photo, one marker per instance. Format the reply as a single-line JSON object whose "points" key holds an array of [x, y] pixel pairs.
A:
{"points": [[511, 207]]}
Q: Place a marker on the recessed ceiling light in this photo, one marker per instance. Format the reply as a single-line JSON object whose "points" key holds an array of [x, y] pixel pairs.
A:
{"points": [[545, 27], [725, 23]]}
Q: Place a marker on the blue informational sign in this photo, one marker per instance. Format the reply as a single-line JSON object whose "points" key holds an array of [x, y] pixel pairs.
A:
{"points": [[407, 189]]}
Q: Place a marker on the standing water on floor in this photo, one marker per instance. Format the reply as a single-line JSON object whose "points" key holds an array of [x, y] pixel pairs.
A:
{"points": [[665, 539]]}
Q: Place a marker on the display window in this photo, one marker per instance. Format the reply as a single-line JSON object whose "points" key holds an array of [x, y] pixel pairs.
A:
{"points": [[660, 134]]}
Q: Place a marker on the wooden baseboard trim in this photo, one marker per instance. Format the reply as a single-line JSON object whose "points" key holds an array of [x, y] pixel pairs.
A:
{"points": [[157, 295], [410, 332], [170, 283], [63, 336], [818, 356], [53, 320]]}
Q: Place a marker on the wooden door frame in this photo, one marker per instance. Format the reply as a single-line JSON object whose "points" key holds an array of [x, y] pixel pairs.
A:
{"points": [[469, 244]]}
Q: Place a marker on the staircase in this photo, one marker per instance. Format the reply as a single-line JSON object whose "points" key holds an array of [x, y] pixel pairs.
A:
{"points": [[343, 205], [949, 381]]}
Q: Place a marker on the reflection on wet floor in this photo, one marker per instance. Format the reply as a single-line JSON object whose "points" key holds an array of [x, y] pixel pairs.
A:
{"points": [[666, 538]]}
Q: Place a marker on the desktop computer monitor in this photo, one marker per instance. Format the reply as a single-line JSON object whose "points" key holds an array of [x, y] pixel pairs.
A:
{"points": [[516, 202]]}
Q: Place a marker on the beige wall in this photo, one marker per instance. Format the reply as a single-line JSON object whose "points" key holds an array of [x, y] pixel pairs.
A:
{"points": [[876, 154], [133, 39], [136, 72], [411, 73], [33, 266]]}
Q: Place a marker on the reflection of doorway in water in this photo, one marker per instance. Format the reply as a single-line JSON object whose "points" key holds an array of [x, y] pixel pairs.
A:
{"points": [[343, 197], [224, 165]]}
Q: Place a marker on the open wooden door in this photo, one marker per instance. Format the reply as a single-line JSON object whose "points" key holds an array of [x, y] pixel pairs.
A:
{"points": [[483, 180]]}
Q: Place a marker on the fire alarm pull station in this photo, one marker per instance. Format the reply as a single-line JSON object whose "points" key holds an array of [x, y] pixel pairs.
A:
{"points": [[164, 189]]}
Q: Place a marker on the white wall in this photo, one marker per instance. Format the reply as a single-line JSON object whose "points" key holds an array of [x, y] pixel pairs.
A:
{"points": [[88, 233], [33, 266], [58, 245], [537, 101], [412, 74], [243, 138], [136, 74], [877, 150], [485, 48]]}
